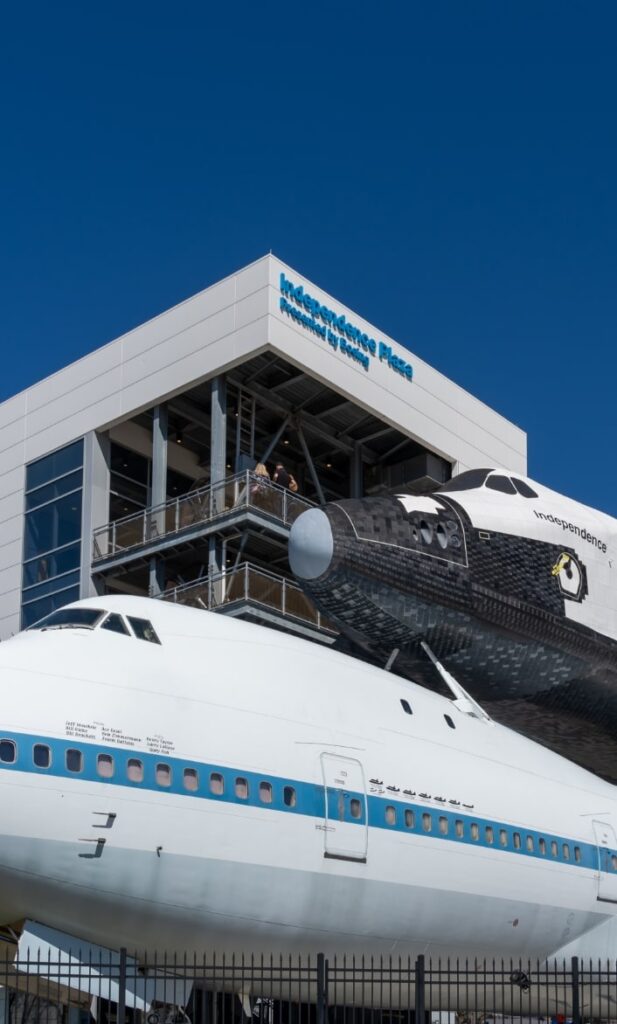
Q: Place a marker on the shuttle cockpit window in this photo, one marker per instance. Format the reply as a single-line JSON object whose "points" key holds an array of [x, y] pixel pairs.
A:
{"points": [[116, 624], [501, 483], [524, 488], [71, 618], [467, 481], [143, 630]]}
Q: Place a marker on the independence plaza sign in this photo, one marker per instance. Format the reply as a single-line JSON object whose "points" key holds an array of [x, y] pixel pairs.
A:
{"points": [[338, 331]]}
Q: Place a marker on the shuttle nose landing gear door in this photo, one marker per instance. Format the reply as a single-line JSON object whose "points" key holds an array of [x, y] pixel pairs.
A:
{"points": [[346, 818], [607, 861]]}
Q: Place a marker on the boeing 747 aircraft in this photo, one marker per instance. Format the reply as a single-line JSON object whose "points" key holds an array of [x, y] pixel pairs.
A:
{"points": [[174, 778]]}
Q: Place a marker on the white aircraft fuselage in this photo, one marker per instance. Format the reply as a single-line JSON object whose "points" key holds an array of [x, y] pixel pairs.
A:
{"points": [[235, 788]]}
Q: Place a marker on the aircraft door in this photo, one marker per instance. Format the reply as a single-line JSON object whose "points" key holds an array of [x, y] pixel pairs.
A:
{"points": [[346, 811], [607, 860]]}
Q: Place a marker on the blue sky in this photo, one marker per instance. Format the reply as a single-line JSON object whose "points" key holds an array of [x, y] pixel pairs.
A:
{"points": [[448, 170]]}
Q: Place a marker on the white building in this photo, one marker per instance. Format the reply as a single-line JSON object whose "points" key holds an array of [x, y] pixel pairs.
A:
{"points": [[130, 469]]}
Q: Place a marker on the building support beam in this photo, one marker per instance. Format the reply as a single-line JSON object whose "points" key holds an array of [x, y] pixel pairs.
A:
{"points": [[355, 472], [218, 461], [158, 492], [275, 440], [95, 507], [310, 464]]}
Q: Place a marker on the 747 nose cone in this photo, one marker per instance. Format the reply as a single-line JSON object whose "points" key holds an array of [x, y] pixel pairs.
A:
{"points": [[310, 544]]}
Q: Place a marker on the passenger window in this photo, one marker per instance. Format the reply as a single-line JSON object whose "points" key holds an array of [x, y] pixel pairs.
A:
{"points": [[565, 849], [7, 751], [449, 721], [265, 792], [427, 824], [488, 832], [116, 624], [163, 775], [503, 837], [500, 483], [41, 755], [144, 630], [554, 850], [542, 846], [390, 815], [217, 784], [523, 488], [74, 760], [242, 788], [355, 808], [516, 836], [410, 820], [530, 844], [289, 796], [105, 765], [577, 854], [191, 779], [406, 706], [443, 826], [614, 862], [135, 770], [475, 831], [459, 829]]}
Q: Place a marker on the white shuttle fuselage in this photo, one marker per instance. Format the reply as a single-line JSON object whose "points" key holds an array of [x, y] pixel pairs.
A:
{"points": [[235, 788]]}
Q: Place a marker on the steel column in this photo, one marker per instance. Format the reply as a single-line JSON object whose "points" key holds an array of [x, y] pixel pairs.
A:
{"points": [[158, 490]]}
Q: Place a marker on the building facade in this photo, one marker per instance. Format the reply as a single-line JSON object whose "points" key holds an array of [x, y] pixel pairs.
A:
{"points": [[132, 469]]}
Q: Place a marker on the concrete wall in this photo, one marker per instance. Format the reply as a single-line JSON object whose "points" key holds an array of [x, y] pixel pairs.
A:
{"points": [[213, 331]]}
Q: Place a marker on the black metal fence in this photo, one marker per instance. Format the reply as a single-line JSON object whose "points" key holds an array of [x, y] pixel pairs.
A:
{"points": [[121, 989]]}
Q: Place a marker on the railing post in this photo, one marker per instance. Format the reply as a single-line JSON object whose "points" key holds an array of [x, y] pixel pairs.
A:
{"points": [[285, 506], [420, 978], [113, 538], [576, 999], [177, 514], [121, 1009], [322, 989], [283, 601], [246, 581]]}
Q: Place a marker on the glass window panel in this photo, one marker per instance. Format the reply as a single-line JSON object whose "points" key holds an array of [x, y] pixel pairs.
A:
{"points": [[467, 481], [35, 611], [443, 826], [135, 770], [74, 760], [524, 488], [265, 792], [144, 630], [426, 822], [191, 779], [54, 564], [242, 788], [501, 483], [41, 755], [129, 464], [177, 483], [7, 751], [56, 464], [115, 624], [409, 819], [217, 784], [48, 492], [53, 526], [289, 796], [390, 815], [105, 765], [355, 807], [163, 775], [459, 827], [70, 579], [130, 496]]}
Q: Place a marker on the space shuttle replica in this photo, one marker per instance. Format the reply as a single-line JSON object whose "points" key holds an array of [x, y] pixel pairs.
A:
{"points": [[507, 585]]}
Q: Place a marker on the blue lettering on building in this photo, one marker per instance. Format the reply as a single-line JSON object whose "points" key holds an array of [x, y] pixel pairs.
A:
{"points": [[341, 335]]}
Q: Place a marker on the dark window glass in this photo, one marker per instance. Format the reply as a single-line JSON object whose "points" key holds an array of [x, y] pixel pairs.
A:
{"points": [[503, 837], [242, 788], [489, 835], [45, 567], [144, 630], [265, 792], [191, 779], [74, 760], [217, 784], [554, 849], [406, 707], [467, 481], [409, 819], [177, 483], [542, 846], [427, 823], [449, 721], [116, 624], [129, 464], [48, 492], [53, 526], [459, 828], [516, 836], [289, 796], [501, 483], [523, 488], [70, 579], [443, 826], [72, 618], [163, 775], [475, 831], [32, 613], [7, 751], [577, 854], [355, 807], [565, 849], [57, 464], [41, 755]]}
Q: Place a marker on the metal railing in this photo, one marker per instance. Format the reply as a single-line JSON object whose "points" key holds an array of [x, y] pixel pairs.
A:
{"points": [[248, 584], [182, 514], [312, 989]]}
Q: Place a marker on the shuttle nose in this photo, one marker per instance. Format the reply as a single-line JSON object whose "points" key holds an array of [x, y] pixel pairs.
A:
{"points": [[311, 544]]}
